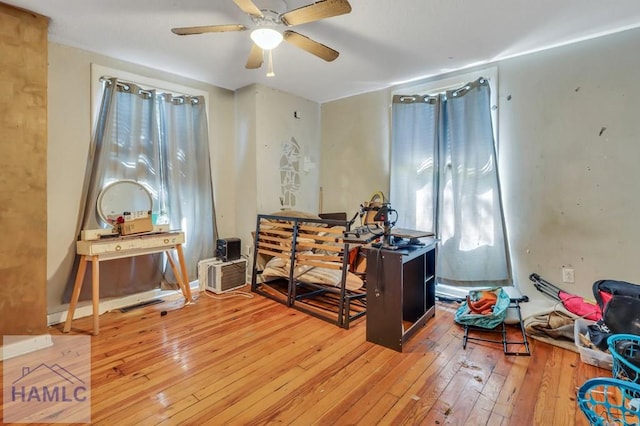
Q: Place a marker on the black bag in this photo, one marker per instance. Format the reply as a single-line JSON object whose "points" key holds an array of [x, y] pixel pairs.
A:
{"points": [[619, 302], [598, 334], [622, 315], [604, 290]]}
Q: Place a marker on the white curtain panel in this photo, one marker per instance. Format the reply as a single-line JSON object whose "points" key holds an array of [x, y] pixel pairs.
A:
{"points": [[413, 161], [187, 193]]}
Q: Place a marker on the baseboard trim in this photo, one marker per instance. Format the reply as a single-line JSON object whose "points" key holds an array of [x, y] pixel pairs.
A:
{"points": [[24, 346], [86, 310]]}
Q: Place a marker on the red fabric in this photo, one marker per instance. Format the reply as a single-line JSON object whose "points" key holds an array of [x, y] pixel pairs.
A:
{"points": [[577, 305], [605, 298]]}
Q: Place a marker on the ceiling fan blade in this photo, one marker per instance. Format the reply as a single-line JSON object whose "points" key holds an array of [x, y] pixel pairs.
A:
{"points": [[316, 11], [247, 6], [208, 29], [311, 46], [255, 58]]}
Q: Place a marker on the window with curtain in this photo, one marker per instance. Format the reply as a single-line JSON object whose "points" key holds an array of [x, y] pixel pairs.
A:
{"points": [[444, 178], [159, 140]]}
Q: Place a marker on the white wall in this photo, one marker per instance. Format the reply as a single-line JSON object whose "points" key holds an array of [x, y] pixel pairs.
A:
{"points": [[246, 175], [569, 137], [265, 118], [569, 191], [276, 124], [69, 135], [355, 150]]}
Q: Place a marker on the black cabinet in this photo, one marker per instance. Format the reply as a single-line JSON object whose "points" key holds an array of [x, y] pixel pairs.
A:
{"points": [[400, 293]]}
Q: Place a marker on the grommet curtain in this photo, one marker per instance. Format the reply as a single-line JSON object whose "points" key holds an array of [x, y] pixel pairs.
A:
{"points": [[161, 141], [444, 178]]}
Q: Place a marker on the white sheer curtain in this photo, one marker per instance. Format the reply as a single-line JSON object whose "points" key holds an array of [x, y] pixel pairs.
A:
{"points": [[186, 166], [465, 194], [161, 141], [413, 160]]}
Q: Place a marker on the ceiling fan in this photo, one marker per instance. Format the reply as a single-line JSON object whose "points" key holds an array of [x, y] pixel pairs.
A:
{"points": [[266, 37]]}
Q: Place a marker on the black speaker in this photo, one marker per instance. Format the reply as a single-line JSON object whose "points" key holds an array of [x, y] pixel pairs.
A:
{"points": [[228, 249]]}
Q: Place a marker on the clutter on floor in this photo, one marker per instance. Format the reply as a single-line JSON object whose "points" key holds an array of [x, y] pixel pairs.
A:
{"points": [[616, 311], [615, 399], [483, 316]]}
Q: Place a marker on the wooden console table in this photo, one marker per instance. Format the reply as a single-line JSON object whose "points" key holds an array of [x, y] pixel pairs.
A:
{"points": [[400, 293], [96, 251]]}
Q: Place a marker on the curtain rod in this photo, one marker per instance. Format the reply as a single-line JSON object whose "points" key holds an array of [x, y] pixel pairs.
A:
{"points": [[431, 99], [414, 99], [129, 86]]}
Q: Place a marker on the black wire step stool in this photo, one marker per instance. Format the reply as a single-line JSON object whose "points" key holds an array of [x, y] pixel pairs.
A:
{"points": [[514, 303]]}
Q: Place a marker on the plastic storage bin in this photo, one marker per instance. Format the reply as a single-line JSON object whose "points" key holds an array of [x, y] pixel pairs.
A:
{"points": [[589, 356]]}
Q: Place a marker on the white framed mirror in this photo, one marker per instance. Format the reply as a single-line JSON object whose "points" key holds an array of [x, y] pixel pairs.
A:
{"points": [[123, 196]]}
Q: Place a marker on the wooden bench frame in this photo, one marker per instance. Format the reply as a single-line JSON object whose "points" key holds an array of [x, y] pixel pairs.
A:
{"points": [[289, 238]]}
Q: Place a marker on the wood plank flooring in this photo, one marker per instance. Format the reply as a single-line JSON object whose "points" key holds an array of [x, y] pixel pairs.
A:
{"points": [[241, 361]]}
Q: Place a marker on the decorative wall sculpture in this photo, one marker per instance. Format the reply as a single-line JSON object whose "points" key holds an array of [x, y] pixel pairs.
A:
{"points": [[289, 173]]}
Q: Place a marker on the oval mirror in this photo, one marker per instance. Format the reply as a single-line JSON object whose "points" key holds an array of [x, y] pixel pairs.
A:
{"points": [[123, 196]]}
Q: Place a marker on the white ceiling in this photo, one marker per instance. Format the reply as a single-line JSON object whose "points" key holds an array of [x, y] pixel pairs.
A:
{"points": [[381, 42]]}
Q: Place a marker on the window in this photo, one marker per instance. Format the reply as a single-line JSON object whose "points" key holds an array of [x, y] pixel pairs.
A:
{"points": [[444, 176], [158, 138]]}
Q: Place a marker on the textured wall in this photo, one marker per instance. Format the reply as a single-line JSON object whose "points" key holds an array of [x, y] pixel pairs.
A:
{"points": [[277, 125], [23, 175], [568, 135], [355, 150], [264, 120]]}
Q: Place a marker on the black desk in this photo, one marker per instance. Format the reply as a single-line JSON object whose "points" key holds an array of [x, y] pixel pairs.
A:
{"points": [[400, 293]]}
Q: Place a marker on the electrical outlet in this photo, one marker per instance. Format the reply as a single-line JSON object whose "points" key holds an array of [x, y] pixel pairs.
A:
{"points": [[568, 275]]}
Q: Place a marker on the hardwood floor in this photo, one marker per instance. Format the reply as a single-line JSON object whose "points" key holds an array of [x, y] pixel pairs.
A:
{"points": [[254, 361]]}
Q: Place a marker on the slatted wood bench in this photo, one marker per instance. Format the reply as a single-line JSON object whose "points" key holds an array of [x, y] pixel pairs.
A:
{"points": [[304, 264]]}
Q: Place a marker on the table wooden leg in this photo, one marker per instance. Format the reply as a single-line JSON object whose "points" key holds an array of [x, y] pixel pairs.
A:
{"points": [[177, 273], [95, 290], [77, 286], [183, 268]]}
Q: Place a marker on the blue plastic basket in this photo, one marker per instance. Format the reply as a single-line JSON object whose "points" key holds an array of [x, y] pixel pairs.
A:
{"points": [[606, 401], [625, 351]]}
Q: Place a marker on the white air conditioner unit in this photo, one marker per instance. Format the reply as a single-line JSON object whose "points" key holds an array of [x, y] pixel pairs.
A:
{"points": [[219, 277]]}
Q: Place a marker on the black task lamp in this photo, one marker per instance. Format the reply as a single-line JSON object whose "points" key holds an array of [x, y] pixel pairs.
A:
{"points": [[383, 216]]}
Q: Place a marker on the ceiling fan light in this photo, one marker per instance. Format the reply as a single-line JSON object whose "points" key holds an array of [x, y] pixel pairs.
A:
{"points": [[266, 38]]}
